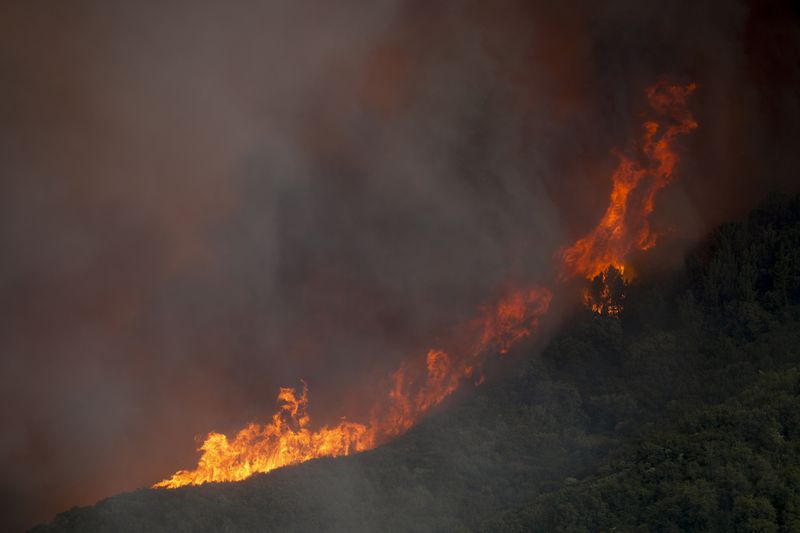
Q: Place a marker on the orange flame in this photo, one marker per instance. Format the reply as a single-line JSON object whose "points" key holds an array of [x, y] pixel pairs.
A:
{"points": [[625, 225], [416, 388], [512, 319], [287, 440]]}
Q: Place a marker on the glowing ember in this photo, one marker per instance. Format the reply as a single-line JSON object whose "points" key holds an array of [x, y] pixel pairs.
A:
{"points": [[605, 295]]}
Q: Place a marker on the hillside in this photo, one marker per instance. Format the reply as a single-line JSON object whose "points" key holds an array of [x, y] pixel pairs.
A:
{"points": [[680, 414]]}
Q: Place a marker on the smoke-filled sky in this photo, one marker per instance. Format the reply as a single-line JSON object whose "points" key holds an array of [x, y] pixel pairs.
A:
{"points": [[203, 201]]}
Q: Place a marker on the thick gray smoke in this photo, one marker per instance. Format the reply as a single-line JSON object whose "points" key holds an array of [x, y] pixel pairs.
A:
{"points": [[203, 201]]}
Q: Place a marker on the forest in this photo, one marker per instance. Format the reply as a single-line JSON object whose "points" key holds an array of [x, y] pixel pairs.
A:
{"points": [[679, 411]]}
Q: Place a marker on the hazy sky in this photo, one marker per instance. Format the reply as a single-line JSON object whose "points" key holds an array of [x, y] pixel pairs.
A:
{"points": [[203, 201]]}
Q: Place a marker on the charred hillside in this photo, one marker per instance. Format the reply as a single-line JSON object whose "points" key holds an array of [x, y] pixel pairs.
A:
{"points": [[679, 413]]}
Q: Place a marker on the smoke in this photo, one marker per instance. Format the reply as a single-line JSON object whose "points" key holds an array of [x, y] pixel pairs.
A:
{"points": [[203, 202]]}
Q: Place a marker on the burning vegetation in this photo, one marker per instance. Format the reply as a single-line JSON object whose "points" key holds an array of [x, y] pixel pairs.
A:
{"points": [[600, 255], [605, 294], [421, 383], [415, 387]]}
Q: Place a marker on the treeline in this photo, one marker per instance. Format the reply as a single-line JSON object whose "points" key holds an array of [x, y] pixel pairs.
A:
{"points": [[681, 413]]}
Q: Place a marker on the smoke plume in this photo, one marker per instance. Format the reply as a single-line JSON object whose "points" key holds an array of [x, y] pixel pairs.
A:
{"points": [[202, 202]]}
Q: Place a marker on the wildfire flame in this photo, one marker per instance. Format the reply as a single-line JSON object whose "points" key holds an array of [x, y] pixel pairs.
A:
{"points": [[420, 384], [416, 387], [625, 225], [287, 440]]}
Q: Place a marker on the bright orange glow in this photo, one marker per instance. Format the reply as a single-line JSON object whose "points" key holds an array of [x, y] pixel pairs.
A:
{"points": [[605, 295], [286, 440], [625, 225], [416, 387]]}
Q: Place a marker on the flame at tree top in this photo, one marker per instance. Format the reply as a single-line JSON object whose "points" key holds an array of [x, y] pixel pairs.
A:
{"points": [[635, 183], [422, 383]]}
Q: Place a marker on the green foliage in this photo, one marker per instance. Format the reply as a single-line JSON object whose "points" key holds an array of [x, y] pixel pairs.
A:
{"points": [[730, 467], [683, 414]]}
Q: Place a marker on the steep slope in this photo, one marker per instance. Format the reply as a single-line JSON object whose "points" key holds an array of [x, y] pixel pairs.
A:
{"points": [[466, 462], [621, 423]]}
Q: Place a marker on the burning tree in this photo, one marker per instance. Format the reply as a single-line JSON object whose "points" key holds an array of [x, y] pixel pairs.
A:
{"points": [[605, 294]]}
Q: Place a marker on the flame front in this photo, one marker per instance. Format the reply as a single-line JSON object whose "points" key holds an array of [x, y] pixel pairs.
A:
{"points": [[286, 440], [416, 387], [422, 383]]}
